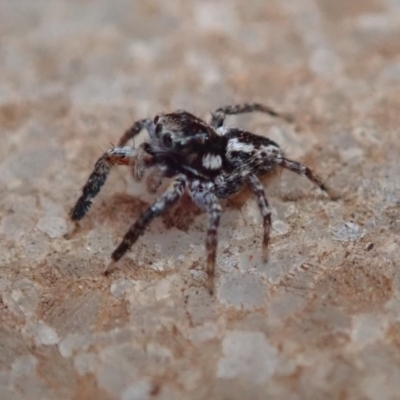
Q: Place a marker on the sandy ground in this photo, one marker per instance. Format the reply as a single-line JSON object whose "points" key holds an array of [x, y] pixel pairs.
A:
{"points": [[320, 320]]}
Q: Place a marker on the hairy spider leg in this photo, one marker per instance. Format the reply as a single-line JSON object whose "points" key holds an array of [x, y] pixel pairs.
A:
{"points": [[102, 168], [143, 160], [301, 169], [135, 129], [166, 201], [209, 202], [120, 155], [258, 189], [155, 177], [218, 116]]}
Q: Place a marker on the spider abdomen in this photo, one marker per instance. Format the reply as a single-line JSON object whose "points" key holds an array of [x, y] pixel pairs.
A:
{"points": [[250, 153]]}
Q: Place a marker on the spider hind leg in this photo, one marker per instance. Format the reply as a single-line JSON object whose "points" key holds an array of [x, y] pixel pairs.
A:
{"points": [[218, 116], [302, 169]]}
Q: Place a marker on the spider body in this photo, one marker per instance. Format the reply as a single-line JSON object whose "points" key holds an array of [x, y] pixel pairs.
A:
{"points": [[208, 160]]}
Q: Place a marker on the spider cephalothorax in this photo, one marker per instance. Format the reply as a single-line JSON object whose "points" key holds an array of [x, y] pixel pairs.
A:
{"points": [[207, 160]]}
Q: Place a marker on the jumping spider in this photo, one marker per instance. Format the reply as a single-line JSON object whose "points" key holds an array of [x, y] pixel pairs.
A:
{"points": [[207, 160]]}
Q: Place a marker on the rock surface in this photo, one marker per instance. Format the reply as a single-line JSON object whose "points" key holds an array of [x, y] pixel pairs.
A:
{"points": [[320, 320]]}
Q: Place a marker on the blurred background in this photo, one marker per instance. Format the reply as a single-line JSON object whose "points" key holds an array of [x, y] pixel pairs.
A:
{"points": [[319, 320]]}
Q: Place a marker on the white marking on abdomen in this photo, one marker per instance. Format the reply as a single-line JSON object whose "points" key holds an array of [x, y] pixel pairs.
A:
{"points": [[236, 145]]}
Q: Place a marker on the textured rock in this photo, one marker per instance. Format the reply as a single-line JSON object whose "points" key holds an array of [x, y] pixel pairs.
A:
{"points": [[249, 355]]}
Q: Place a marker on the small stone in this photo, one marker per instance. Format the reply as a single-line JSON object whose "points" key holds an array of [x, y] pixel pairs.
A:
{"points": [[45, 334], [85, 363], [280, 227], [367, 329], [34, 246], [51, 208], [350, 154], [325, 63], [72, 343], [229, 263], [119, 288], [4, 285], [54, 227], [242, 290], [24, 379], [99, 241], [376, 387], [160, 354], [140, 390], [24, 365], [199, 276], [283, 260], [158, 266], [247, 354], [14, 226], [22, 298], [189, 378], [118, 366], [218, 17], [283, 305], [42, 333], [163, 289], [347, 232], [202, 333], [200, 305], [375, 22]]}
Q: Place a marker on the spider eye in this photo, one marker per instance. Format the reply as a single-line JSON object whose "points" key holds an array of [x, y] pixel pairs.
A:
{"points": [[167, 140]]}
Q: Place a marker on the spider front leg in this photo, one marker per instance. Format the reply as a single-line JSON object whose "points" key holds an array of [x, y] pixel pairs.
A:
{"points": [[166, 201], [142, 156], [218, 116], [102, 168], [258, 189], [301, 169], [120, 155], [203, 197], [135, 129]]}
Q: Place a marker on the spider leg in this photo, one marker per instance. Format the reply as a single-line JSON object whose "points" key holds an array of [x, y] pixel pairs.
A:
{"points": [[102, 168], [120, 155], [166, 200], [209, 202], [218, 116], [258, 189], [301, 169], [143, 160], [154, 180], [135, 130]]}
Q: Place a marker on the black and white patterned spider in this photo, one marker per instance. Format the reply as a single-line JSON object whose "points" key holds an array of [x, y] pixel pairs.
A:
{"points": [[207, 160]]}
